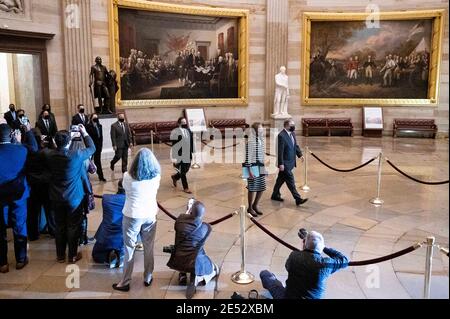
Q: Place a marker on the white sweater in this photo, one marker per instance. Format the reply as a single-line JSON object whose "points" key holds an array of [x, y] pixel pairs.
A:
{"points": [[140, 200]]}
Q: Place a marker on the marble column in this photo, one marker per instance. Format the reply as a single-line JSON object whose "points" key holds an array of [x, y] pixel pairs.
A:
{"points": [[276, 47], [77, 53]]}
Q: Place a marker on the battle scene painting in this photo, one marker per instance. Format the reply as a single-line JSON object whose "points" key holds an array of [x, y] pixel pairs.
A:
{"points": [[177, 56], [350, 60]]}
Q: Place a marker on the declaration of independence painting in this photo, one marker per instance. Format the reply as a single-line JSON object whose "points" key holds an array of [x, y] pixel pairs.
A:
{"points": [[350, 60], [166, 56]]}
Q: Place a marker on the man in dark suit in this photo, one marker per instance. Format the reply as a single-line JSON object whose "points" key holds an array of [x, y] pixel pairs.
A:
{"points": [[181, 152], [67, 191], [288, 149], [47, 125], [14, 192], [80, 117], [121, 141], [94, 129], [11, 117]]}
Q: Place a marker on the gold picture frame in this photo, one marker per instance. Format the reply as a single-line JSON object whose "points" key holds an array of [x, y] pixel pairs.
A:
{"points": [[243, 42], [437, 17]]}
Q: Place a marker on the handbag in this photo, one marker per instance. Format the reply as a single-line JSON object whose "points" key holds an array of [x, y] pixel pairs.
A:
{"points": [[254, 169], [92, 169]]}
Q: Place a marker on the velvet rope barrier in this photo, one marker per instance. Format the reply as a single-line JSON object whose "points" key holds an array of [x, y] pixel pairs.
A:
{"points": [[343, 170], [351, 263], [219, 147], [413, 178]]}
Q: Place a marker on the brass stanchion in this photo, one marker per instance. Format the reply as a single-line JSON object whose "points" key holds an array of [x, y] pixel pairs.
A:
{"points": [[195, 165], [305, 186], [242, 277], [428, 267], [377, 201], [151, 139]]}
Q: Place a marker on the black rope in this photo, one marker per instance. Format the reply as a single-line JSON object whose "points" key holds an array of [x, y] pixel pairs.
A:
{"points": [[219, 147], [268, 154], [351, 263], [415, 179], [343, 170], [217, 221]]}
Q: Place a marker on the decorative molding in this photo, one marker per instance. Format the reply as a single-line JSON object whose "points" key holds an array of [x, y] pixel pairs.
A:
{"points": [[21, 10]]}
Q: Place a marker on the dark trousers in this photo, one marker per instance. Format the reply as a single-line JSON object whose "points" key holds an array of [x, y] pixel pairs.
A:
{"points": [[271, 283], [101, 91], [288, 178], [17, 215], [183, 169], [68, 229], [98, 162], [121, 153], [39, 197]]}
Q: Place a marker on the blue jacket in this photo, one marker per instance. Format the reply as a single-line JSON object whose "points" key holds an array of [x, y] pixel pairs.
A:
{"points": [[308, 271], [109, 234], [68, 171], [287, 151], [13, 183]]}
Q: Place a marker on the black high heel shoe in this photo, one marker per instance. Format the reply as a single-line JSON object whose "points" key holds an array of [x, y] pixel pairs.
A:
{"points": [[251, 212], [125, 288], [257, 211]]}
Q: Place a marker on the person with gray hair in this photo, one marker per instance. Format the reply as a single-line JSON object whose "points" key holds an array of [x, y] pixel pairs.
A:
{"points": [[141, 184], [307, 269]]}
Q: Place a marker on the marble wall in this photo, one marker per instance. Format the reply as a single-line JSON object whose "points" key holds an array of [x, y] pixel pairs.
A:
{"points": [[71, 52]]}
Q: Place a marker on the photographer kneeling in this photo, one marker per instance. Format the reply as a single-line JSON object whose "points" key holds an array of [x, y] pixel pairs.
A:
{"points": [[188, 254]]}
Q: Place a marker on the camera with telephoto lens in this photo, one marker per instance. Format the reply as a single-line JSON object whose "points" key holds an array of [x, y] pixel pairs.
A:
{"points": [[169, 249], [302, 233]]}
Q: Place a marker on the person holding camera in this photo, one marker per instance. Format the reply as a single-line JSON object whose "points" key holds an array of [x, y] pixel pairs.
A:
{"points": [[68, 190], [141, 184], [188, 254], [14, 192], [307, 269]]}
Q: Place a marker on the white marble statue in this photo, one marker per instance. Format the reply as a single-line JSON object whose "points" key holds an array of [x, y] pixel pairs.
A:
{"points": [[281, 94]]}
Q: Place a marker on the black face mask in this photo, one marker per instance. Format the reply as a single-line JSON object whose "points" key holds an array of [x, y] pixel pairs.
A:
{"points": [[122, 120], [12, 109], [46, 117], [95, 120], [292, 128], [81, 110], [184, 126]]}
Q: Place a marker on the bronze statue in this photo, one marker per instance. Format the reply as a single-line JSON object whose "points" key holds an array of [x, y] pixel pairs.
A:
{"points": [[99, 77], [113, 87]]}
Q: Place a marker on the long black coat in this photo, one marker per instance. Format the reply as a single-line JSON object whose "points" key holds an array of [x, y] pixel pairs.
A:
{"points": [[189, 255]]}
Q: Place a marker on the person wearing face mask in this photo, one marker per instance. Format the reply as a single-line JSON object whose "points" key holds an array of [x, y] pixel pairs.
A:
{"points": [[67, 191], [121, 141], [254, 163], [80, 117], [14, 192], [11, 117], [47, 126], [48, 108], [188, 254], [94, 129], [181, 152], [287, 150]]}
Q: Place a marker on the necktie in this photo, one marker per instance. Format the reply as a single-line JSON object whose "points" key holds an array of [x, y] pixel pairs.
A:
{"points": [[82, 118], [46, 124], [14, 115], [98, 130], [123, 127], [293, 140]]}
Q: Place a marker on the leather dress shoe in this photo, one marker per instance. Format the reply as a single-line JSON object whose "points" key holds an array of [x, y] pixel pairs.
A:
{"points": [[125, 288], [4, 269], [278, 199], [73, 260], [174, 181], [22, 264], [301, 201], [182, 279]]}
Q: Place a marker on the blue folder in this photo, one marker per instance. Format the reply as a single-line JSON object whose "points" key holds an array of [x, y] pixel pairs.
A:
{"points": [[255, 171]]}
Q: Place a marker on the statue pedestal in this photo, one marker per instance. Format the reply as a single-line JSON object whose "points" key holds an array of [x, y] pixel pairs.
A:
{"points": [[278, 120], [106, 121]]}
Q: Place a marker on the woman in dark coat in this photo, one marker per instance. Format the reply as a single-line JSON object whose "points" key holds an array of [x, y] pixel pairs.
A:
{"points": [[188, 255]]}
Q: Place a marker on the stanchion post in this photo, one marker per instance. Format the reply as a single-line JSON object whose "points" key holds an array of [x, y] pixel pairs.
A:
{"points": [[428, 267], [195, 165], [377, 201], [242, 277], [151, 139], [305, 186]]}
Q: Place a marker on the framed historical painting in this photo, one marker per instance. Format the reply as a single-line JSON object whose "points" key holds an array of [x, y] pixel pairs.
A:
{"points": [[196, 119], [172, 55], [353, 59]]}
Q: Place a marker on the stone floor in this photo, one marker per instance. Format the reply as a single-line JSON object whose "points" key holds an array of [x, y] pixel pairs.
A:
{"points": [[338, 207]]}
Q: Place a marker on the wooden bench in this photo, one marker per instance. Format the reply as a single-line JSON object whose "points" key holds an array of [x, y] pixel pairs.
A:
{"points": [[223, 124], [415, 125], [327, 125], [163, 130], [140, 132]]}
